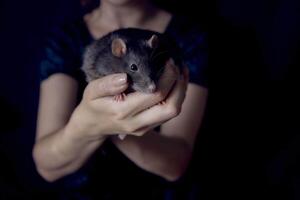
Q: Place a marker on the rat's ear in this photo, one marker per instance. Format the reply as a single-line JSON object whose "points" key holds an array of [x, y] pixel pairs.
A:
{"points": [[118, 47], [153, 41]]}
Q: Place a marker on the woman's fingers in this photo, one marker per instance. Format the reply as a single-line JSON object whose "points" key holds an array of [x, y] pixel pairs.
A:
{"points": [[151, 118], [106, 86], [186, 74], [161, 113], [132, 115], [177, 95]]}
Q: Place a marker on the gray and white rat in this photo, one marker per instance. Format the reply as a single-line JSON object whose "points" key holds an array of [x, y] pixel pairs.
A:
{"points": [[141, 54]]}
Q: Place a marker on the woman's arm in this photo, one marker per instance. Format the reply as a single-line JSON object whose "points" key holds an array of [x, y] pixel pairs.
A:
{"points": [[65, 138], [168, 152], [54, 152]]}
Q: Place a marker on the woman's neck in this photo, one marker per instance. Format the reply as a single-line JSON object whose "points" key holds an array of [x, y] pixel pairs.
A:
{"points": [[133, 14], [141, 14]]}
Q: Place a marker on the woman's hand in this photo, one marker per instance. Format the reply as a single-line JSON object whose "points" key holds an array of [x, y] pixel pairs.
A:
{"points": [[102, 115], [167, 152]]}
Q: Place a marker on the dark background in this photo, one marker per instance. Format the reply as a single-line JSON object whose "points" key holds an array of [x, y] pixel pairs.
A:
{"points": [[249, 142]]}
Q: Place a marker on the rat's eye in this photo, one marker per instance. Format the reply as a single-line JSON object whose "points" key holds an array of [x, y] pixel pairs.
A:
{"points": [[133, 67]]}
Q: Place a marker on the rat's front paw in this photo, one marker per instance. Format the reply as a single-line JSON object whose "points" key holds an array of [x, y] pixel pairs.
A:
{"points": [[163, 102], [120, 97]]}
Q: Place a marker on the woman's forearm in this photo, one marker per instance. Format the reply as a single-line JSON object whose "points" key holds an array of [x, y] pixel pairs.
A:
{"points": [[166, 157], [62, 153]]}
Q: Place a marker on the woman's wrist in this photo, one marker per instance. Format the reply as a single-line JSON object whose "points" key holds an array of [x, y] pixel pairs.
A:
{"points": [[81, 129]]}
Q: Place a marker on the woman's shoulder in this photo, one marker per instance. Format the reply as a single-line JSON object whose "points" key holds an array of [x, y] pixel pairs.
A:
{"points": [[192, 40], [62, 49], [70, 31], [186, 29]]}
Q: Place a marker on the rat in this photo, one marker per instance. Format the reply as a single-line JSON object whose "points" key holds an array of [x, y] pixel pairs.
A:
{"points": [[141, 54]]}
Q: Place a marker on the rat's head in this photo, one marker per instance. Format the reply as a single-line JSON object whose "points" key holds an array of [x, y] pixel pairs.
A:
{"points": [[137, 65]]}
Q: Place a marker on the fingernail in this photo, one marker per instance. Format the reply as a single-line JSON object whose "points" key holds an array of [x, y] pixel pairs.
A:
{"points": [[120, 79]]}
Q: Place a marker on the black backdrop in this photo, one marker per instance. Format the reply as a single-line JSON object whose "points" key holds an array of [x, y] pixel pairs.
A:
{"points": [[249, 144]]}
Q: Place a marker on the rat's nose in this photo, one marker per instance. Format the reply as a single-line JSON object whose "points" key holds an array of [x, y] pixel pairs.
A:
{"points": [[152, 87]]}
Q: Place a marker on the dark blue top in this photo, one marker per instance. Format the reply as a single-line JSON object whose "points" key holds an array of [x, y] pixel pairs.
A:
{"points": [[108, 173]]}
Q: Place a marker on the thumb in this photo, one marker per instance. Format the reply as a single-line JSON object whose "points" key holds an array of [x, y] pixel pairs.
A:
{"points": [[106, 86]]}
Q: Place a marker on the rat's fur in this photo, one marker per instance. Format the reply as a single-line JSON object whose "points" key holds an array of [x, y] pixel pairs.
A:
{"points": [[148, 50]]}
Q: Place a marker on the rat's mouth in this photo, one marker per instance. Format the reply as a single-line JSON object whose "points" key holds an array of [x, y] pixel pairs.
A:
{"points": [[146, 88]]}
